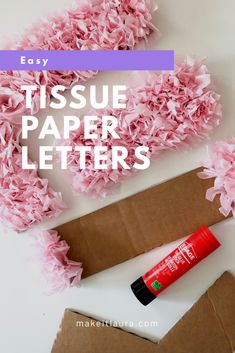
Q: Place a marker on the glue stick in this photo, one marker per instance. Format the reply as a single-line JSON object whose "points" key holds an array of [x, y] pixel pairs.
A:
{"points": [[188, 254]]}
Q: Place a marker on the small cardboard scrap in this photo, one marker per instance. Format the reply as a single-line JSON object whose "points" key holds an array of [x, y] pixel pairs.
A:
{"points": [[139, 223], [208, 327]]}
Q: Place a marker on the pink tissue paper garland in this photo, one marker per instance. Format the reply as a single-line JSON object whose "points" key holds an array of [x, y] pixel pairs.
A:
{"points": [[220, 165], [97, 24], [164, 111], [59, 272]]}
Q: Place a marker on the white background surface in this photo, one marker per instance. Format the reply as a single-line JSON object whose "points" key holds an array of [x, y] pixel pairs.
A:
{"points": [[29, 319]]}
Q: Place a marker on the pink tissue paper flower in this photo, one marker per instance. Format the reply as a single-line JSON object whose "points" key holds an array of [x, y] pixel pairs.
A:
{"points": [[164, 111], [25, 198], [59, 271], [220, 165]]}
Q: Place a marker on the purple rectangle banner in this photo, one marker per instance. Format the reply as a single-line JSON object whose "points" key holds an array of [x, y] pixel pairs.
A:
{"points": [[103, 60]]}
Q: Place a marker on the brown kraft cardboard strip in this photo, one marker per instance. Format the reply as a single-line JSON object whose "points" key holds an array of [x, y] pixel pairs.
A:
{"points": [[139, 223], [208, 327]]}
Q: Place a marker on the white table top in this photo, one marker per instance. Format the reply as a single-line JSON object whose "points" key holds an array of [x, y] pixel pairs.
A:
{"points": [[29, 319]]}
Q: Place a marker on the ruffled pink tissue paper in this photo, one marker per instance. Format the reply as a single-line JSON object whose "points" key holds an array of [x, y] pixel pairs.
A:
{"points": [[164, 111], [92, 25], [12, 98], [59, 272], [220, 165], [25, 199]]}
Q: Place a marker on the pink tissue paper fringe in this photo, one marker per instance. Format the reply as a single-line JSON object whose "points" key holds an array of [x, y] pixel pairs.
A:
{"points": [[58, 271], [165, 111], [25, 199], [109, 24], [220, 165]]}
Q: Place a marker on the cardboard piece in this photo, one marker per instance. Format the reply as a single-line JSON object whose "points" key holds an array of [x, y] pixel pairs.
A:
{"points": [[208, 327], [140, 223]]}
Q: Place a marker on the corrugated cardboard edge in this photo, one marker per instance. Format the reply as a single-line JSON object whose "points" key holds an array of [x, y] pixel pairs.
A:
{"points": [[139, 223], [208, 327]]}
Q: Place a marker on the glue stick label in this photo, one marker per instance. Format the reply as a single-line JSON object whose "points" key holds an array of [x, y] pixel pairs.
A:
{"points": [[179, 261]]}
